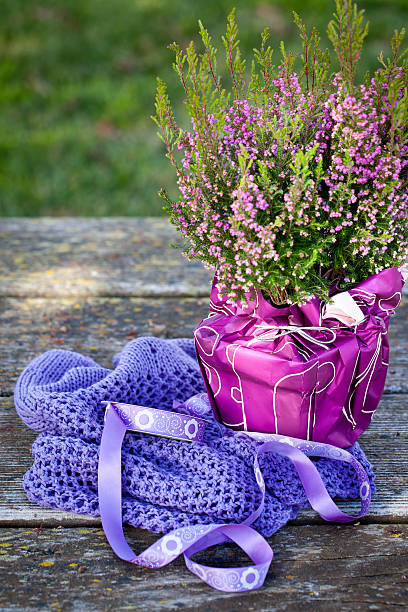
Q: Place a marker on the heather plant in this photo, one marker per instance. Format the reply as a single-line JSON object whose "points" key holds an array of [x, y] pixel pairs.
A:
{"points": [[297, 184]]}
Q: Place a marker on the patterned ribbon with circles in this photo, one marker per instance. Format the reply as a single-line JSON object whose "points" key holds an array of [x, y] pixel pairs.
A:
{"points": [[188, 540]]}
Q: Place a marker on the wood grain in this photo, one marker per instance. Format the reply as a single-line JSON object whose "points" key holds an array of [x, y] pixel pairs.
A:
{"points": [[321, 567], [88, 257], [96, 257]]}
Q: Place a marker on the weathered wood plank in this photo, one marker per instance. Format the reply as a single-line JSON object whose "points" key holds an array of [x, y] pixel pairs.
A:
{"points": [[90, 257], [100, 327], [323, 567], [15, 460], [83, 257], [385, 442]]}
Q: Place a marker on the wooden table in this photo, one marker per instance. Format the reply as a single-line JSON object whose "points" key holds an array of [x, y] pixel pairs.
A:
{"points": [[91, 285]]}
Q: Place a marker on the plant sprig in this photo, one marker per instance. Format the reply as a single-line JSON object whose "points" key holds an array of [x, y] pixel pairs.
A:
{"points": [[347, 31]]}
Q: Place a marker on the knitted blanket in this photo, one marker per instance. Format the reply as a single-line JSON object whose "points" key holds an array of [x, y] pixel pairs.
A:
{"points": [[166, 483]]}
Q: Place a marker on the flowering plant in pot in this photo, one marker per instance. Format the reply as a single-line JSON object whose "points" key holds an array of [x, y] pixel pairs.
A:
{"points": [[295, 193]]}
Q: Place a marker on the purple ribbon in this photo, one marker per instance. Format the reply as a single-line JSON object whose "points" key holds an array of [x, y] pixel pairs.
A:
{"points": [[188, 540]]}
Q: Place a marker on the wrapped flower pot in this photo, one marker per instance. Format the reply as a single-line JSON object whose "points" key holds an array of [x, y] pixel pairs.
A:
{"points": [[314, 372]]}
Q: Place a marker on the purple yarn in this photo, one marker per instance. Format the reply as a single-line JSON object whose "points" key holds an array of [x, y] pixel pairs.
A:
{"points": [[166, 483]]}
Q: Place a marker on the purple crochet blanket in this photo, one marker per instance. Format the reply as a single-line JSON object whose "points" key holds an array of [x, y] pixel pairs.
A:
{"points": [[166, 483]]}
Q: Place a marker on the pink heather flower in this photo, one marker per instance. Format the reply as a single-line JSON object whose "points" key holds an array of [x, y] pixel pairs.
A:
{"points": [[251, 229]]}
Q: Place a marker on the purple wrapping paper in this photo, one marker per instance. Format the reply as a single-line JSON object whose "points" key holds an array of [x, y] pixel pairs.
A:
{"points": [[293, 371]]}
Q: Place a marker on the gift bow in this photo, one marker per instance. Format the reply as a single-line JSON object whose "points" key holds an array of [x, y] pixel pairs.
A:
{"points": [[344, 308]]}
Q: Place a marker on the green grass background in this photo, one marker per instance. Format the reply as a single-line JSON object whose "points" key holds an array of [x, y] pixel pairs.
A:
{"points": [[77, 86]]}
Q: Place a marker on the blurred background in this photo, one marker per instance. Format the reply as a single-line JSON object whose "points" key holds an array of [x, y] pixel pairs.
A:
{"points": [[77, 87]]}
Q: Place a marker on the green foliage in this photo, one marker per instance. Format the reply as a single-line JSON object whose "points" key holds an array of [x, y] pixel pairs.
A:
{"points": [[347, 32], [315, 62], [235, 63], [77, 85]]}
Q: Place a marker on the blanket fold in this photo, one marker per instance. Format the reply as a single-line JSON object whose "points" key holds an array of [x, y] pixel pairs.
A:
{"points": [[166, 483]]}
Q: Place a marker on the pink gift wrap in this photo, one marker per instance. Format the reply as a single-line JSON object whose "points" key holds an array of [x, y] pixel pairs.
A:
{"points": [[311, 372]]}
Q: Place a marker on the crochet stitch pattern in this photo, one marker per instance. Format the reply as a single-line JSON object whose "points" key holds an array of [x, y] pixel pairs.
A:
{"points": [[166, 483]]}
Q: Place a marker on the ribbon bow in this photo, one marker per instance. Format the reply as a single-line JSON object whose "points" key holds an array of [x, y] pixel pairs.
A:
{"points": [[342, 307]]}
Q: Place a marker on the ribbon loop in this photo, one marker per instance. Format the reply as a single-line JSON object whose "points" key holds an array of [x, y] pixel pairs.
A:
{"points": [[310, 478], [189, 540], [274, 332]]}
